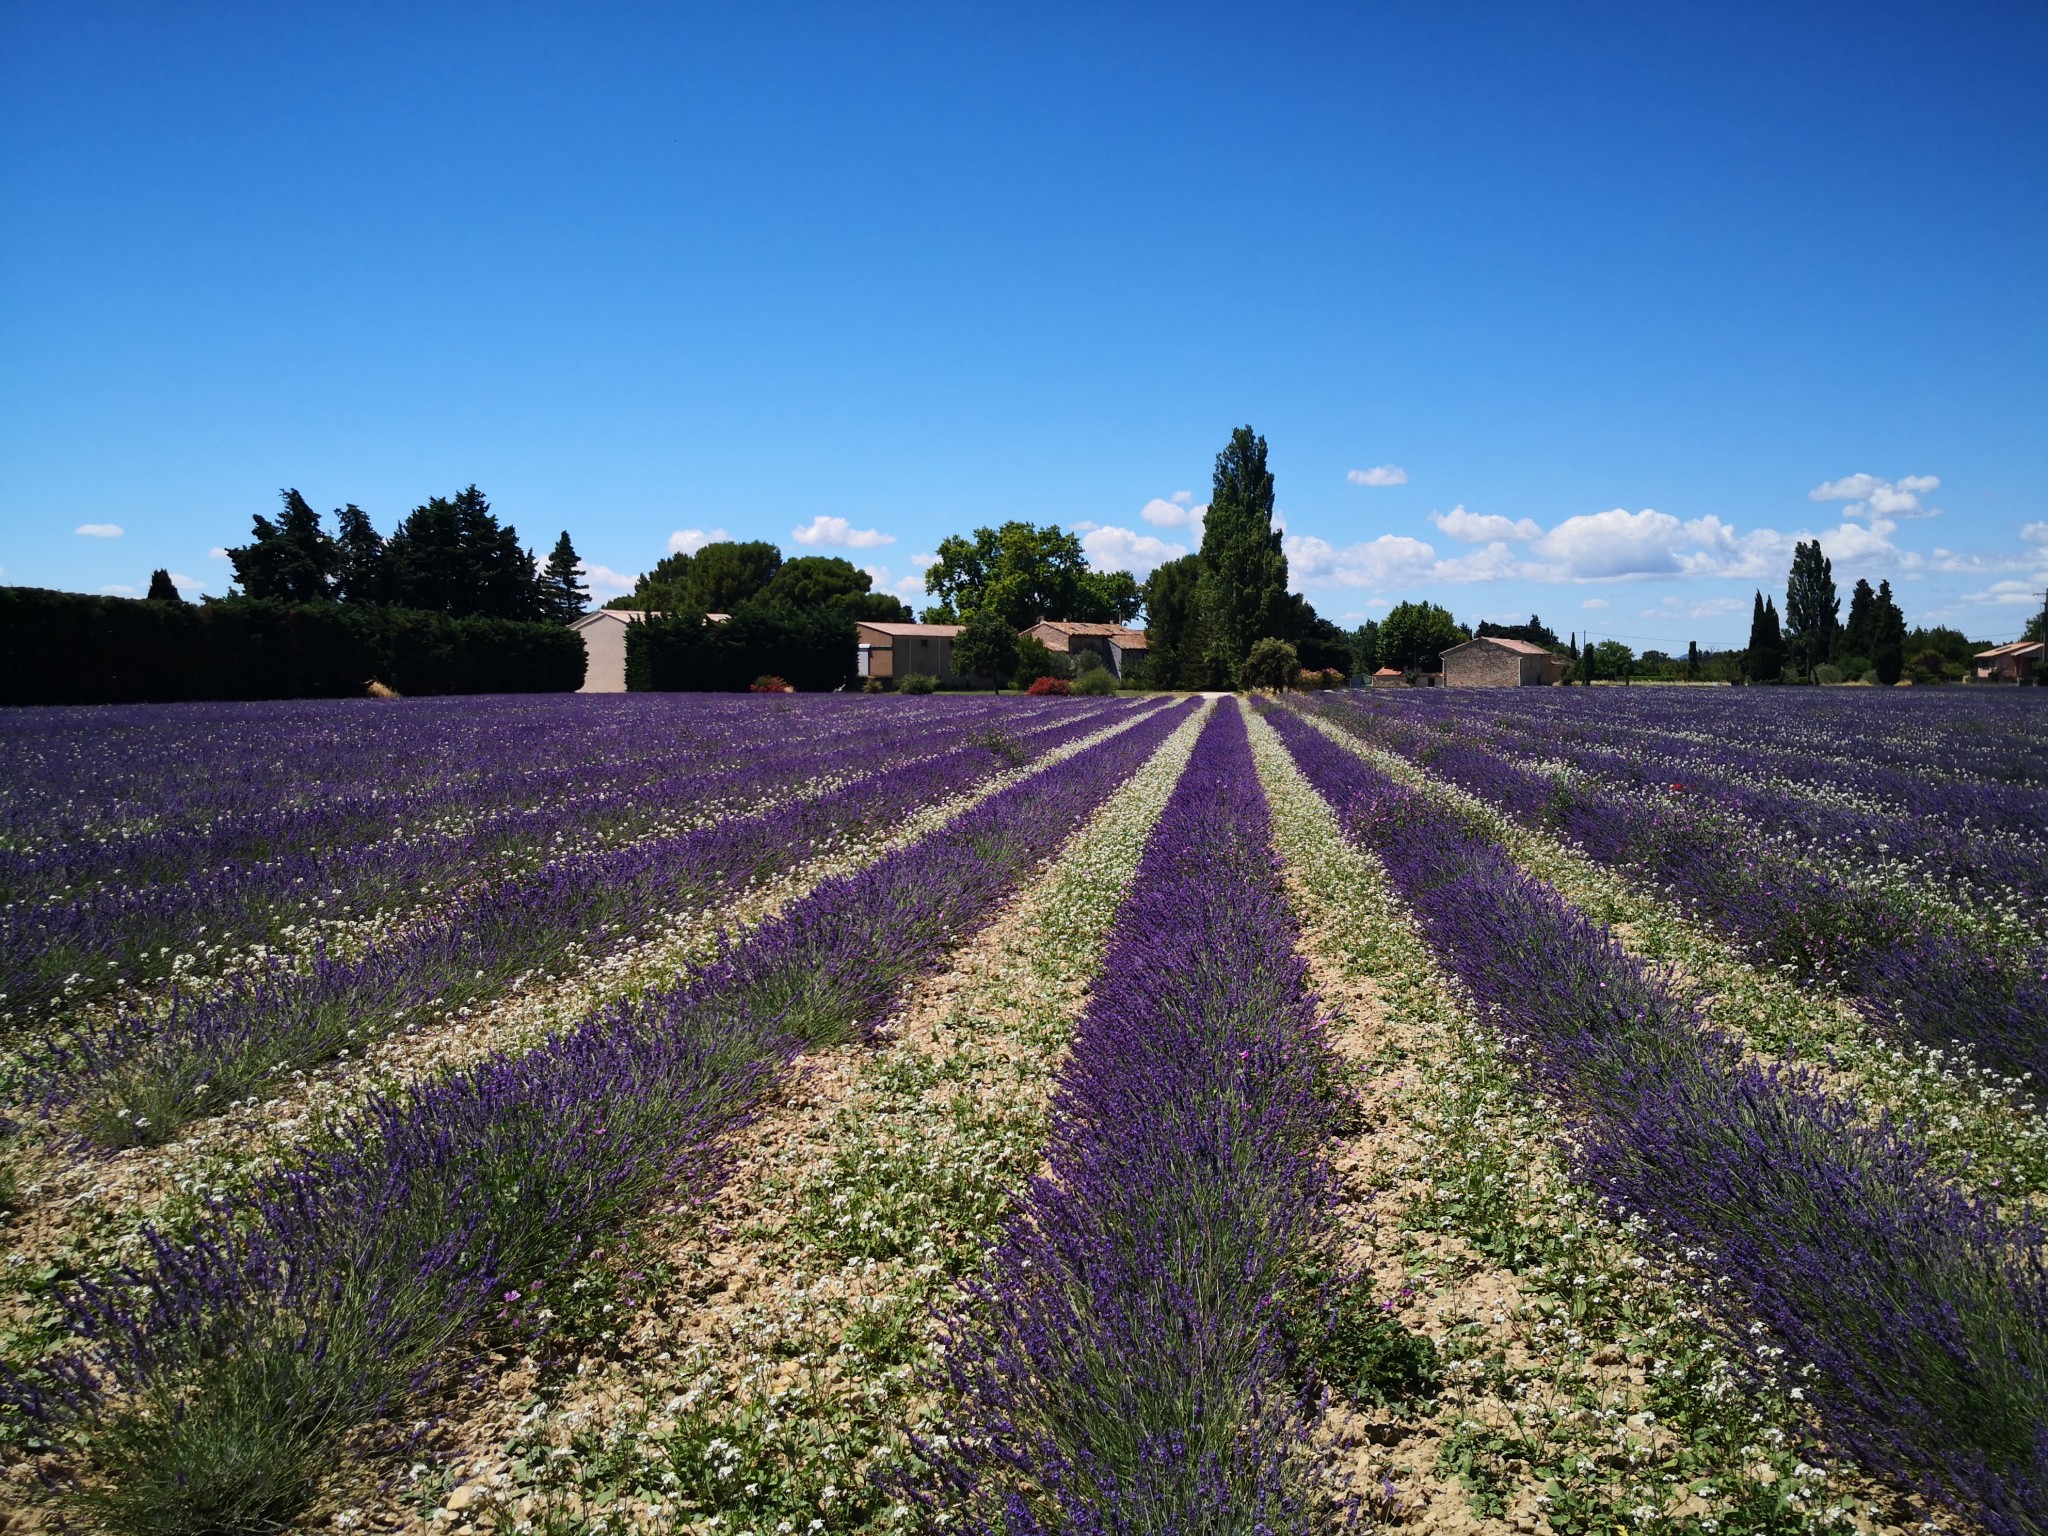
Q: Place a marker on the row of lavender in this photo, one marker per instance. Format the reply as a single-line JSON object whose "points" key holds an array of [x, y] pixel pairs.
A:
{"points": [[1132, 1358], [144, 1076], [1930, 981], [211, 1386], [128, 929], [1919, 1316]]}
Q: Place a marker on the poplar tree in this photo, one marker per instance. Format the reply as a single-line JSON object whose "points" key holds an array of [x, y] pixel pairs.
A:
{"points": [[1242, 592], [1812, 610]]}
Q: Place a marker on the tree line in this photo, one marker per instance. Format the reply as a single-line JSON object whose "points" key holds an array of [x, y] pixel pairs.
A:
{"points": [[449, 555]]}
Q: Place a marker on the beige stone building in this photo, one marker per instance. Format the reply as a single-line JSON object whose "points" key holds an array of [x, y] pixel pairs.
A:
{"points": [[604, 643], [1495, 661], [1116, 645]]}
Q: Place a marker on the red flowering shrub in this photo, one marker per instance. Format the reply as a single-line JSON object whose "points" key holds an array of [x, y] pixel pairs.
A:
{"points": [[770, 685], [1050, 685]]}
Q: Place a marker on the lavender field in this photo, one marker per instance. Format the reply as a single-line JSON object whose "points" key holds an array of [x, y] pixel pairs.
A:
{"points": [[1537, 1111]]}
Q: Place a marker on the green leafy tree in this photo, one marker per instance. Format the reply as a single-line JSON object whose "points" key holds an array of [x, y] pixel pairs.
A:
{"points": [[1242, 591], [1535, 632], [726, 574], [292, 559], [1766, 643], [665, 589], [1026, 573], [1271, 663], [162, 589], [2033, 629], [1365, 649], [1611, 658], [818, 581], [562, 589], [362, 575], [452, 555], [1414, 636], [987, 646], [1174, 637], [1888, 637], [1812, 610], [1035, 660]]}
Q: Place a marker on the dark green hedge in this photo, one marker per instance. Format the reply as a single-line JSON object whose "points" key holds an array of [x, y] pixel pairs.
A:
{"points": [[683, 653], [68, 648]]}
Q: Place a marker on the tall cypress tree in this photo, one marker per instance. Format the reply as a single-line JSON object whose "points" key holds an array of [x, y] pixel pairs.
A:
{"points": [[566, 596], [363, 576], [1242, 592], [162, 589], [1859, 634], [1888, 637], [1766, 644], [1812, 610]]}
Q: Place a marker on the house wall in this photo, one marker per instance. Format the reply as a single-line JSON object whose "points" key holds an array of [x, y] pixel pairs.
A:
{"points": [[1483, 666], [605, 644], [925, 654]]}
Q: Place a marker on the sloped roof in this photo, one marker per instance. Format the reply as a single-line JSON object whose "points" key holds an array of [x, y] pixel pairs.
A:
{"points": [[1519, 647], [1079, 627], [1388, 672], [925, 631], [2016, 649]]}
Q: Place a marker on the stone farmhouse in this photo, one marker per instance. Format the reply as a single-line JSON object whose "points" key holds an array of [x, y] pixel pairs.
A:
{"points": [[1497, 662], [1116, 645]]}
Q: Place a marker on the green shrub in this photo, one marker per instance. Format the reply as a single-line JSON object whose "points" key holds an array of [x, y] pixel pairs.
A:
{"points": [[918, 682], [1271, 664], [70, 648], [1095, 682], [686, 653]]}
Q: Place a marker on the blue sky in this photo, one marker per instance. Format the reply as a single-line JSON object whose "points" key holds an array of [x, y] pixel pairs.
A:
{"points": [[1587, 310]]}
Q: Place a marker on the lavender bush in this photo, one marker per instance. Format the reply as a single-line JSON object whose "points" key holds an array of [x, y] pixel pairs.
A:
{"points": [[1915, 1317], [1124, 1363], [143, 1078], [211, 1386]]}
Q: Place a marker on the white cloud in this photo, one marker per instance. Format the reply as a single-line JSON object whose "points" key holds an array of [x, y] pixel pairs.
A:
{"points": [[1383, 474], [217, 554], [1388, 560], [1475, 528], [1185, 498], [604, 582], [1086, 525], [1868, 495], [923, 562], [907, 587], [187, 583], [1122, 549], [2035, 533], [1697, 608], [100, 531], [1596, 602], [2007, 594], [687, 541], [1175, 513], [117, 590], [838, 533]]}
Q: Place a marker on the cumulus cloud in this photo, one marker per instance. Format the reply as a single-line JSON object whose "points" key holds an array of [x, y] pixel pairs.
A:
{"points": [[1177, 513], [217, 554], [923, 562], [687, 541], [1596, 602], [604, 582], [1697, 608], [2008, 594], [117, 590], [1382, 474], [1867, 495], [1476, 528], [2035, 533], [186, 583], [1124, 549], [906, 587], [100, 531], [838, 533]]}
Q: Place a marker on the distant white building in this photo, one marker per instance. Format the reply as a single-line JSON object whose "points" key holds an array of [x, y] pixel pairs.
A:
{"points": [[604, 644]]}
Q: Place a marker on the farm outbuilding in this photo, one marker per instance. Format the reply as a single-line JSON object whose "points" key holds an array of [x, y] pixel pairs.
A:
{"points": [[604, 640], [897, 651], [1494, 661], [1117, 646], [2013, 663]]}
